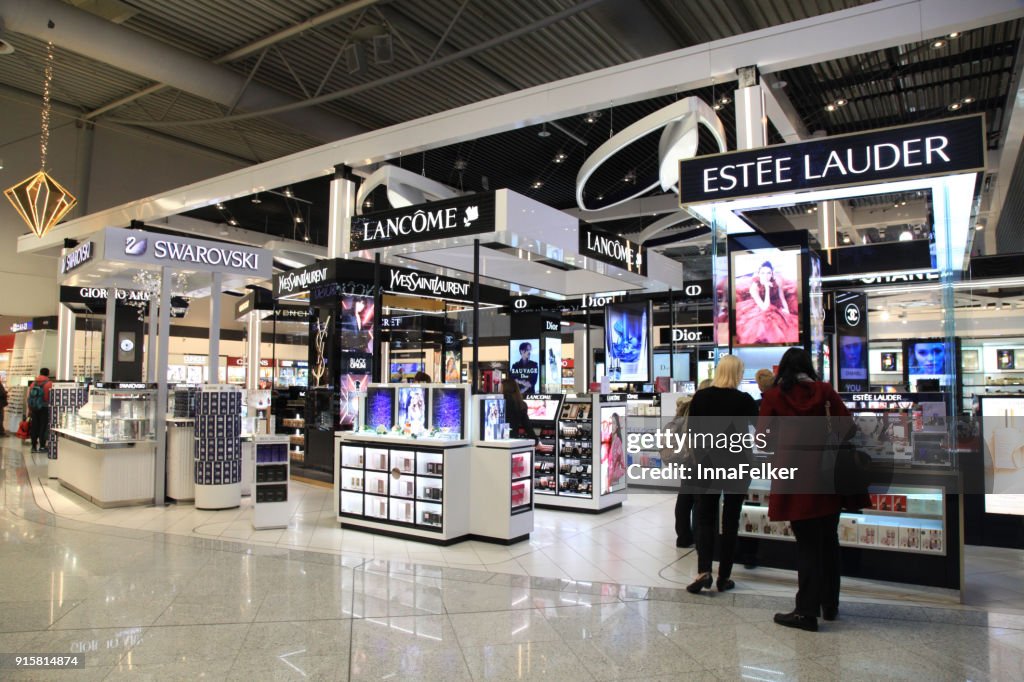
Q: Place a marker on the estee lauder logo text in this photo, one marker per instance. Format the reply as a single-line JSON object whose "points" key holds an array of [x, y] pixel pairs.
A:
{"points": [[439, 286], [767, 171], [418, 223], [617, 249]]}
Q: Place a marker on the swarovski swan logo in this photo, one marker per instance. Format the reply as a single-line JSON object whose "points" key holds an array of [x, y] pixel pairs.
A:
{"points": [[134, 246], [472, 214]]}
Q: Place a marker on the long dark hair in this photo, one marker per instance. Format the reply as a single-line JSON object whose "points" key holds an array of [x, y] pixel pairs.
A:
{"points": [[510, 389], [775, 291], [794, 362]]}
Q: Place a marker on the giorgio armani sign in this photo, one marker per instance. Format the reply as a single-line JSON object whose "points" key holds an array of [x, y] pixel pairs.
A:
{"points": [[473, 214], [927, 149]]}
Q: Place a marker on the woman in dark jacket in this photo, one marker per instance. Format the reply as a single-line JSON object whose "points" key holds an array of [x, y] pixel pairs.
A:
{"points": [[519, 425], [720, 408], [814, 516]]}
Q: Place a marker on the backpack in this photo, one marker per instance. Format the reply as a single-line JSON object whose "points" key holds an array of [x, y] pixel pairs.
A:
{"points": [[37, 396]]}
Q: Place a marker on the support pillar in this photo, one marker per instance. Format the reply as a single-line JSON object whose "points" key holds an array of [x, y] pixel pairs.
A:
{"points": [[476, 316], [341, 208], [254, 331], [109, 335], [151, 339], [751, 121], [65, 343], [164, 333], [213, 361]]}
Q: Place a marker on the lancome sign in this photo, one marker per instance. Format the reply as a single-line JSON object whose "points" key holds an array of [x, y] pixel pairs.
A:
{"points": [[467, 215], [926, 149], [613, 249]]}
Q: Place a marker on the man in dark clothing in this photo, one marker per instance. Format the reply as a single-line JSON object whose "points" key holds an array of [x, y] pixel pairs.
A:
{"points": [[37, 404], [3, 406]]}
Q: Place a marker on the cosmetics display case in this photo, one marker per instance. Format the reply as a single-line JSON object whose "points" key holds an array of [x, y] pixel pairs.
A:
{"points": [[65, 398], [107, 448], [270, 497], [649, 413], [590, 465], [501, 481], [543, 410]]}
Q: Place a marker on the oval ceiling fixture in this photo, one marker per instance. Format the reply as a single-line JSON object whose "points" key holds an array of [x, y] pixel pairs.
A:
{"points": [[681, 121]]}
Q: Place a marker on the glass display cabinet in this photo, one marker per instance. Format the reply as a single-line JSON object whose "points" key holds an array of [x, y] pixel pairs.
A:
{"points": [[115, 412]]}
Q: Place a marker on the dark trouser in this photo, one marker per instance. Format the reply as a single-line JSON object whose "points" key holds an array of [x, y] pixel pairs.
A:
{"points": [[40, 430], [817, 564], [684, 523], [707, 531]]}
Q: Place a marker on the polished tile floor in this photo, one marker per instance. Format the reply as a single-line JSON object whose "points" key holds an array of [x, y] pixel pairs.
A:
{"points": [[179, 594]]}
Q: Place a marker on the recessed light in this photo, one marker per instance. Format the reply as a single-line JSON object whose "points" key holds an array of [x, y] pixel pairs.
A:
{"points": [[220, 206], [954, 106], [954, 34], [232, 221], [256, 198], [299, 219], [544, 132], [560, 157], [717, 107], [979, 227], [906, 236], [592, 117], [537, 184], [725, 100], [968, 100], [841, 102], [288, 192], [938, 43], [830, 107]]}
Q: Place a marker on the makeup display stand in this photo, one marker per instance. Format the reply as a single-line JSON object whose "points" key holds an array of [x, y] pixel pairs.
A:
{"points": [[501, 484], [65, 398], [271, 507], [218, 447]]}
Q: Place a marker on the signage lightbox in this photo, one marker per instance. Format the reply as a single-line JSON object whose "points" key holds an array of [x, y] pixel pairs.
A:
{"points": [[473, 214], [80, 255], [139, 246], [612, 249], [954, 145], [851, 311]]}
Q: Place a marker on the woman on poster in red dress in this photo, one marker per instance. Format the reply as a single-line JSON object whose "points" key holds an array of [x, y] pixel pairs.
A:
{"points": [[763, 315]]}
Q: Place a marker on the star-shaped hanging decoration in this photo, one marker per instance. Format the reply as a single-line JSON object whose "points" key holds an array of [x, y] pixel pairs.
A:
{"points": [[41, 202]]}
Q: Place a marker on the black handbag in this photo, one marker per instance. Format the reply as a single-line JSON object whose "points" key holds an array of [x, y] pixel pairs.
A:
{"points": [[852, 472]]}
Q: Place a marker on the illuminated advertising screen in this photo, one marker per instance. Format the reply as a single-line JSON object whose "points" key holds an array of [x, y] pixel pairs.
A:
{"points": [[524, 364], [493, 417], [627, 342], [357, 323], [1002, 433], [412, 409], [766, 297], [613, 453], [552, 365]]}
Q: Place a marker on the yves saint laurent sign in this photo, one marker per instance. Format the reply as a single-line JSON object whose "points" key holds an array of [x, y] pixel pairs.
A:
{"points": [[197, 254], [80, 255], [612, 249], [304, 279], [936, 148], [413, 282], [466, 215]]}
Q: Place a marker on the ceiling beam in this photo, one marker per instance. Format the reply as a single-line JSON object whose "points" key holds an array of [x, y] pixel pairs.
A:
{"points": [[864, 28]]}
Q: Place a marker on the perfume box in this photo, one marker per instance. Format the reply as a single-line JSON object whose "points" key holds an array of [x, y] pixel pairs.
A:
{"points": [[932, 540], [910, 538], [888, 536], [848, 531]]}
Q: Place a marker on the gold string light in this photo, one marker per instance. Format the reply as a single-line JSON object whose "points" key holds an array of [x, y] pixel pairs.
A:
{"points": [[41, 201]]}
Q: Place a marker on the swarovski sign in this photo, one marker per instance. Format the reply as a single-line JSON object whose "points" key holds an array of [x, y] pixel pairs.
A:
{"points": [[612, 249], [926, 149], [197, 254], [437, 220], [80, 255]]}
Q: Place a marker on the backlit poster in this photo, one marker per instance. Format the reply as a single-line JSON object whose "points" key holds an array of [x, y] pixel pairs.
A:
{"points": [[627, 342], [412, 409], [930, 359], [766, 297], [851, 311], [552, 365], [524, 364], [613, 452], [357, 324], [1002, 432]]}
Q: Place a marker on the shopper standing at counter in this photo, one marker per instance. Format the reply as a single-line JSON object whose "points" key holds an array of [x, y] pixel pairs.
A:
{"points": [[721, 400], [813, 517], [37, 405], [519, 425]]}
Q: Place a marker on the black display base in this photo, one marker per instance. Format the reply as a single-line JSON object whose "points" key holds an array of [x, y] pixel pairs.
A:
{"points": [[406, 536], [498, 541], [575, 510], [319, 451]]}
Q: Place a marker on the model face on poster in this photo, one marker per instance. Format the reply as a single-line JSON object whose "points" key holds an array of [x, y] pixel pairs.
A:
{"points": [[766, 294], [613, 458], [853, 365], [928, 358], [526, 366], [357, 323], [412, 409]]}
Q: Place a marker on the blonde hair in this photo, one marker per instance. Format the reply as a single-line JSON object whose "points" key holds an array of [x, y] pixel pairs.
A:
{"points": [[704, 384], [728, 373], [683, 405], [765, 379]]}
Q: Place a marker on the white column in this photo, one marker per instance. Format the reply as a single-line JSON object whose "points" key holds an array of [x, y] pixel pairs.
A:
{"points": [[751, 121], [108, 336], [160, 430], [254, 328], [65, 342], [341, 209], [213, 362], [151, 345]]}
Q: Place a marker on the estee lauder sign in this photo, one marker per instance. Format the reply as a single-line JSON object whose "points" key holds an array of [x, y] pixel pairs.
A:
{"points": [[937, 148], [612, 249], [471, 214]]}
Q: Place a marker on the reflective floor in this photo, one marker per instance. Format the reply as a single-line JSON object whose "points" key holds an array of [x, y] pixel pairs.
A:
{"points": [[145, 603]]}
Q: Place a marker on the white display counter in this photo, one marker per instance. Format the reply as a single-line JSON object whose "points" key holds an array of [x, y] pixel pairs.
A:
{"points": [[107, 473], [501, 490]]}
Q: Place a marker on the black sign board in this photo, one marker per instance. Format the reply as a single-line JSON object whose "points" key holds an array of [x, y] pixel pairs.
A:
{"points": [[80, 255], [612, 249], [936, 148], [685, 335], [304, 279], [851, 311], [94, 299], [473, 214]]}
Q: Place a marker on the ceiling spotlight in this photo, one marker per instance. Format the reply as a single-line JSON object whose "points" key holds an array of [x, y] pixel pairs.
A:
{"points": [[779, 84], [953, 35], [544, 132], [232, 221], [841, 102], [906, 236], [846, 239], [560, 157], [724, 100], [979, 227], [592, 117], [630, 177], [299, 219], [717, 106], [903, 203], [305, 237], [368, 203], [885, 316], [220, 206], [938, 43], [537, 184], [461, 164], [968, 100], [256, 198], [830, 107], [810, 211], [288, 193], [954, 106]]}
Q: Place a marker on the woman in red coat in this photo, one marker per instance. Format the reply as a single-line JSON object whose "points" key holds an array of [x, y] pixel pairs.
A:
{"points": [[814, 516]]}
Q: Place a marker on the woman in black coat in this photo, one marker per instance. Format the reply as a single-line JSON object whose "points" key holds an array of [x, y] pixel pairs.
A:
{"points": [[519, 425]]}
